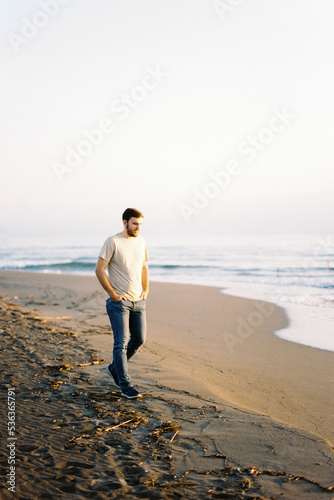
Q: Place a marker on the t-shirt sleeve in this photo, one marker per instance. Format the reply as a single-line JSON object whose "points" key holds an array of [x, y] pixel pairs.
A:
{"points": [[108, 250]]}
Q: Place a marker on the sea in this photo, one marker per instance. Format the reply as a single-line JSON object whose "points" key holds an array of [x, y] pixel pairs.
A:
{"points": [[294, 272]]}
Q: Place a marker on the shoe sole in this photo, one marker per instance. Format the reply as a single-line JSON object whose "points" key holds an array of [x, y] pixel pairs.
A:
{"points": [[131, 397], [111, 375]]}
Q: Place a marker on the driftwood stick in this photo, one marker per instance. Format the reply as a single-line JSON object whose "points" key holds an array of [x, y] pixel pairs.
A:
{"points": [[174, 436], [107, 429]]}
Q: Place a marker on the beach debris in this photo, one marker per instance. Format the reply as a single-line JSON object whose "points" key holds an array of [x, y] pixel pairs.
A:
{"points": [[51, 368], [108, 429], [67, 366], [253, 471], [99, 431], [56, 384], [166, 427], [95, 362], [246, 483], [134, 418], [76, 393], [176, 432], [176, 484], [169, 426]]}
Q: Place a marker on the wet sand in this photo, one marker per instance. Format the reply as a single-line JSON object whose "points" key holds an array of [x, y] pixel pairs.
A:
{"points": [[229, 409]]}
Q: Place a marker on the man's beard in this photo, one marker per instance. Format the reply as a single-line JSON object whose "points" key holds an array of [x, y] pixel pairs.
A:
{"points": [[132, 232]]}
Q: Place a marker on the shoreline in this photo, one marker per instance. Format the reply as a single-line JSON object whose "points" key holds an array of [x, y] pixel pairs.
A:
{"points": [[211, 365], [303, 318]]}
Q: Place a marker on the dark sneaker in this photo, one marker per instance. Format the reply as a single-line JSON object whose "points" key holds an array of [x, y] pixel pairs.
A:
{"points": [[112, 374], [131, 393]]}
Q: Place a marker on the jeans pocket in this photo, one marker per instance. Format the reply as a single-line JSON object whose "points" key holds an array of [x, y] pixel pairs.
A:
{"points": [[141, 305], [117, 305], [112, 306]]}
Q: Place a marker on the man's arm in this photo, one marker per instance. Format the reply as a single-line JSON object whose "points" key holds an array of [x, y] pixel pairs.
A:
{"points": [[101, 266], [145, 281]]}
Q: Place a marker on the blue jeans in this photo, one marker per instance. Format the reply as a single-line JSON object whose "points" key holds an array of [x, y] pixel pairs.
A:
{"points": [[128, 322]]}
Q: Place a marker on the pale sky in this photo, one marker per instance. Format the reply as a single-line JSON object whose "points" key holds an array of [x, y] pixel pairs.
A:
{"points": [[185, 92]]}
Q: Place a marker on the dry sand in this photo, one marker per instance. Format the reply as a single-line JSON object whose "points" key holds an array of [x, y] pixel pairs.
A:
{"points": [[230, 410]]}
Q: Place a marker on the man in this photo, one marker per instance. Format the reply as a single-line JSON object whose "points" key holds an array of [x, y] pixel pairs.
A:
{"points": [[125, 255]]}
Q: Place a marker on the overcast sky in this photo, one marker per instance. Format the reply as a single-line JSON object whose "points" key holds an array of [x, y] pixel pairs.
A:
{"points": [[209, 116]]}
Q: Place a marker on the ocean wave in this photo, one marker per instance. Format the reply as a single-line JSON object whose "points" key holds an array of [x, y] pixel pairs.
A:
{"points": [[58, 266]]}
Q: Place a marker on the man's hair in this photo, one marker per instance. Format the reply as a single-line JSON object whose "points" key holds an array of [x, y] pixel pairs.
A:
{"points": [[131, 212]]}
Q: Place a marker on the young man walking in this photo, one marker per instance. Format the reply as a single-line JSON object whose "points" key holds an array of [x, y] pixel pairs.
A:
{"points": [[125, 256]]}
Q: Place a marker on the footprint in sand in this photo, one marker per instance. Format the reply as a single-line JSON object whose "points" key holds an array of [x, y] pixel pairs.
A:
{"points": [[71, 464]]}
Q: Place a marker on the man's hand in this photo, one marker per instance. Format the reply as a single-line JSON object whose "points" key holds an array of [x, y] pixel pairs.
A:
{"points": [[116, 297], [144, 294]]}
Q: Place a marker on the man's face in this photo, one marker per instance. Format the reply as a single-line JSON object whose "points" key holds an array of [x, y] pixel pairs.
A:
{"points": [[133, 226]]}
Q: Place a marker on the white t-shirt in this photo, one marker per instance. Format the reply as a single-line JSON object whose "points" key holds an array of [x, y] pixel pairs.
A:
{"points": [[126, 258]]}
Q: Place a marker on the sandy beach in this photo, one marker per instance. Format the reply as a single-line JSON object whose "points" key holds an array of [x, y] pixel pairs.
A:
{"points": [[230, 410]]}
